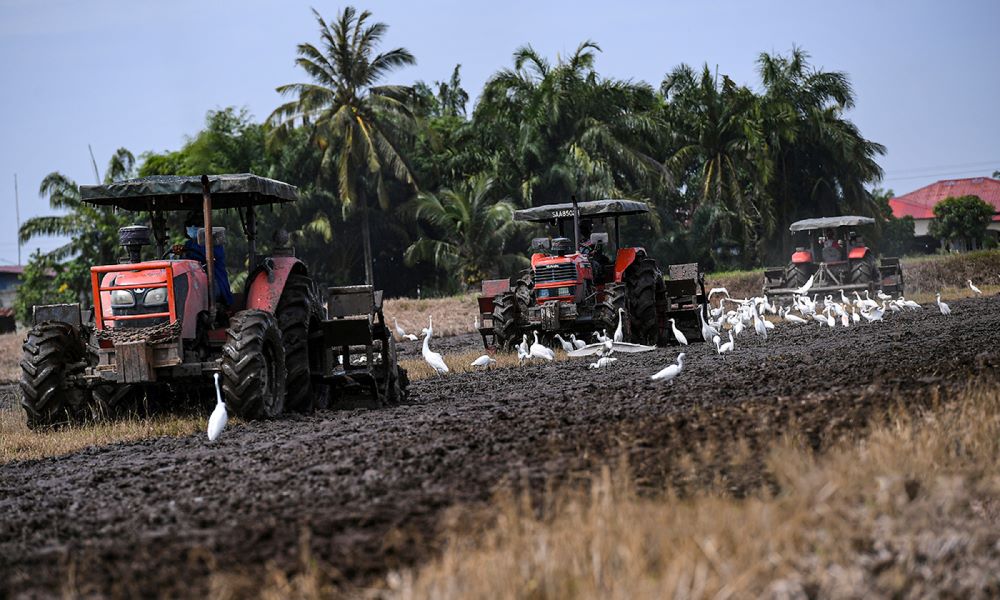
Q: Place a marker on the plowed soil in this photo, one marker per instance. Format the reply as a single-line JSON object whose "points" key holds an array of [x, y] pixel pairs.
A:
{"points": [[371, 487]]}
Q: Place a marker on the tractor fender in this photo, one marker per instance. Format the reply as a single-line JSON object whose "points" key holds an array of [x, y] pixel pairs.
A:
{"points": [[625, 258], [268, 281], [537, 256], [858, 253], [801, 256]]}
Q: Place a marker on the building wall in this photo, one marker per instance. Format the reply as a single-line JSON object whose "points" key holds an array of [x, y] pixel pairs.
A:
{"points": [[9, 283]]}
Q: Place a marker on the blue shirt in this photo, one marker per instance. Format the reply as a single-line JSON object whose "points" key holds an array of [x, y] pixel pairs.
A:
{"points": [[195, 251]]}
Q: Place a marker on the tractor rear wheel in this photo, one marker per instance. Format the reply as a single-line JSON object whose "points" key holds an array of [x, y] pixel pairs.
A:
{"points": [[51, 353], [253, 366], [642, 280], [505, 321], [294, 311], [796, 276], [863, 271]]}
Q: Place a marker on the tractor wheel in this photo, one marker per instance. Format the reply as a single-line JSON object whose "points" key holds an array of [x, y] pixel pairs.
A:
{"points": [[294, 311], [505, 320], [111, 401], [863, 271], [51, 352], [642, 280], [607, 310], [796, 276], [522, 293], [253, 366]]}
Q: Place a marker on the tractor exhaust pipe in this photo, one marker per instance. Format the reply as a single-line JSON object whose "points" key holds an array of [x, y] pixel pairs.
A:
{"points": [[576, 224], [206, 197]]}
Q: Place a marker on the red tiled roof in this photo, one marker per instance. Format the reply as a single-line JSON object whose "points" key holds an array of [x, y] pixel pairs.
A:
{"points": [[16, 269], [919, 204]]}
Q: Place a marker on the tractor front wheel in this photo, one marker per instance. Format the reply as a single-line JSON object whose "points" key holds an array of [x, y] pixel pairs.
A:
{"points": [[51, 353], [253, 366]]}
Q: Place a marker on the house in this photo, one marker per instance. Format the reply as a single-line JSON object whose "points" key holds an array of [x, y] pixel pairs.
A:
{"points": [[920, 203], [10, 279]]}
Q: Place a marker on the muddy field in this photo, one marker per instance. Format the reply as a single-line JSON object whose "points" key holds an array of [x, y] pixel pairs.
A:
{"points": [[372, 488]]}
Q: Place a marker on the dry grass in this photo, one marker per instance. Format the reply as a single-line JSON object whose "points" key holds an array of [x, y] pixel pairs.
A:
{"points": [[908, 511], [459, 362], [452, 316], [17, 442], [10, 356]]}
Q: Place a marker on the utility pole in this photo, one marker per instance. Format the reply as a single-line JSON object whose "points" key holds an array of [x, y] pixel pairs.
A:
{"points": [[17, 216], [97, 175]]}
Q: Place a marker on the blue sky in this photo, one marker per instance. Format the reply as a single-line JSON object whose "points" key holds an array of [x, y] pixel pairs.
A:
{"points": [[114, 73]]}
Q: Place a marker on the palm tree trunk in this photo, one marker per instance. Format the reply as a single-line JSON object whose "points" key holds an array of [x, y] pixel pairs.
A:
{"points": [[366, 240]]}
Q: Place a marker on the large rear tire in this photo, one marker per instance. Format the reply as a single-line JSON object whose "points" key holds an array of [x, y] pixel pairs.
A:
{"points": [[796, 276], [294, 311], [864, 271], [642, 280], [253, 366], [52, 352], [505, 321]]}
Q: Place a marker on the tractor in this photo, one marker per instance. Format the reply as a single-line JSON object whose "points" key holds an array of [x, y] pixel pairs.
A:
{"points": [[579, 285], [163, 326], [832, 252]]}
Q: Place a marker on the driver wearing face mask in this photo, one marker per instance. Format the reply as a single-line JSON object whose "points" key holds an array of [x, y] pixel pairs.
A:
{"points": [[192, 250]]}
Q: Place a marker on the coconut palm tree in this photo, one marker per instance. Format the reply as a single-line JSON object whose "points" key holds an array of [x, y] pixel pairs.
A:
{"points": [[822, 165], [93, 230], [555, 130], [357, 123], [470, 231], [718, 149]]}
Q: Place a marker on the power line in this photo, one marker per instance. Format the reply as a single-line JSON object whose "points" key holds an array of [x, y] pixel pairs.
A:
{"points": [[978, 172], [984, 163]]}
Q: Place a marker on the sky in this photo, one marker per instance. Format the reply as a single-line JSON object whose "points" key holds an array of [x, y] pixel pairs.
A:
{"points": [[142, 75]]}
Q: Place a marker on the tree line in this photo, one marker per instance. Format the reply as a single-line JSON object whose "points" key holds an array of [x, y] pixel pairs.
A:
{"points": [[425, 184]]}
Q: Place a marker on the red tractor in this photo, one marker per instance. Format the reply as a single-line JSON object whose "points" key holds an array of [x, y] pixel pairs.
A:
{"points": [[578, 285], [162, 327], [835, 256]]}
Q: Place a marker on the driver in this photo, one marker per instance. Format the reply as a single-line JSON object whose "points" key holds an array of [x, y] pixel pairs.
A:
{"points": [[590, 249], [832, 250], [192, 250]]}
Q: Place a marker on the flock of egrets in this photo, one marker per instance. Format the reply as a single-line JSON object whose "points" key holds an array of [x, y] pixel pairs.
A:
{"points": [[731, 317]]}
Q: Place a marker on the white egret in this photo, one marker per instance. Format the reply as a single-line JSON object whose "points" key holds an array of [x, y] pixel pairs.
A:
{"points": [[522, 348], [601, 338], [566, 346], [678, 335], [620, 332], [577, 344], [805, 288], [718, 290], [669, 372], [944, 308], [882, 295], [435, 360], [758, 326], [793, 318], [410, 337], [483, 361], [399, 330], [974, 288], [602, 362], [854, 315], [217, 422], [707, 331], [728, 346], [537, 350]]}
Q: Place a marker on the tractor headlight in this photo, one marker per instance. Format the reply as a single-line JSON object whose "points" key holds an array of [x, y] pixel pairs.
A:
{"points": [[122, 298], [565, 291], [156, 297]]}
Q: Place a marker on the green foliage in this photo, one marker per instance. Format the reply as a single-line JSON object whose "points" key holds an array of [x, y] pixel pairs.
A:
{"points": [[962, 218], [895, 235], [45, 281], [472, 230]]}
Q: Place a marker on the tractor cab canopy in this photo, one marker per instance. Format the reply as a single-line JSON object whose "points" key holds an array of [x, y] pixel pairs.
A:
{"points": [[830, 223], [594, 209], [174, 192]]}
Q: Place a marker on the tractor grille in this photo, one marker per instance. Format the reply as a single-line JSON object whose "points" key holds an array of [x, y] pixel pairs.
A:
{"points": [[552, 273]]}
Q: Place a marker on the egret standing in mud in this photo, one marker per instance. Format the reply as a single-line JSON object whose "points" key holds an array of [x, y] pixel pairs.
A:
{"points": [[620, 332], [669, 372], [944, 308], [537, 350], [435, 360], [566, 346], [483, 361], [217, 422], [972, 287], [678, 335]]}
